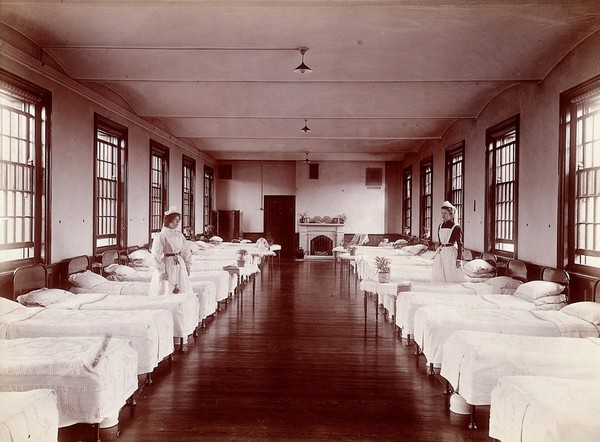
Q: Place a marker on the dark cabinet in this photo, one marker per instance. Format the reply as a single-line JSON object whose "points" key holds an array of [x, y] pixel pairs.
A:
{"points": [[228, 224]]}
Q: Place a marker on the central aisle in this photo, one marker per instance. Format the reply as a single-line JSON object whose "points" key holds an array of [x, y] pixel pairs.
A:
{"points": [[298, 362]]}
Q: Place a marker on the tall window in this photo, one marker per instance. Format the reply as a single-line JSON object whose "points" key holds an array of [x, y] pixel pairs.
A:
{"points": [[159, 183], [406, 200], [209, 185], [426, 198], [187, 205], [580, 179], [109, 184], [24, 156], [502, 151], [455, 179]]}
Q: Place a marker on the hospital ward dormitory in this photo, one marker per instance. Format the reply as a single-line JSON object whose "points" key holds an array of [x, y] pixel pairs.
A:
{"points": [[280, 220]]}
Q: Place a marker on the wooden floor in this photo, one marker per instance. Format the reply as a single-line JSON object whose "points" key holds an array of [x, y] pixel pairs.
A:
{"points": [[297, 361]]}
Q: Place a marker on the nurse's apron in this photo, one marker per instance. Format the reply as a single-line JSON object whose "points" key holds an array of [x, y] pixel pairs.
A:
{"points": [[177, 278], [444, 264]]}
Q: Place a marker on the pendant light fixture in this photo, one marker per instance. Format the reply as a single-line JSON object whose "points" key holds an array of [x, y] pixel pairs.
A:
{"points": [[302, 68], [305, 128]]}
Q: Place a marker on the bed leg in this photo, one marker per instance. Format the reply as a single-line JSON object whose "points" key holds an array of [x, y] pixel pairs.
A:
{"points": [[430, 369], [472, 424], [376, 307], [447, 387], [97, 430], [148, 378], [180, 344], [408, 341], [366, 296]]}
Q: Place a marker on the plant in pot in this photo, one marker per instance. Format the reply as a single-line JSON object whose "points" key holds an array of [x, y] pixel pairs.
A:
{"points": [[342, 218], [241, 260], [352, 250], [383, 268], [304, 217]]}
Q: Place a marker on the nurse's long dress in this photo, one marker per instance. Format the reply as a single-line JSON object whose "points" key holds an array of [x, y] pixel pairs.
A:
{"points": [[444, 264], [173, 257]]}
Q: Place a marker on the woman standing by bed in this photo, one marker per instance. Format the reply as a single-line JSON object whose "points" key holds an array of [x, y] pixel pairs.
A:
{"points": [[172, 258], [446, 264]]}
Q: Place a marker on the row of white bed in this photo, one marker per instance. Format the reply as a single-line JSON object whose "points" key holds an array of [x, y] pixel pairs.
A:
{"points": [[514, 344], [79, 356]]}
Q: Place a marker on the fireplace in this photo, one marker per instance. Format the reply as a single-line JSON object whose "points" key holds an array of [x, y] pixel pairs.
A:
{"points": [[319, 239], [321, 246]]}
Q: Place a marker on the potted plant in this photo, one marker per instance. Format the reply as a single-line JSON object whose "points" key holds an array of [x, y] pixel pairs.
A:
{"points": [[304, 217], [342, 218], [383, 268], [300, 253], [241, 261], [352, 250]]}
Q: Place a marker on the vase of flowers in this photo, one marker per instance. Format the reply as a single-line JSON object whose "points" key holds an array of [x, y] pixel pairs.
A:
{"points": [[383, 268], [342, 218], [241, 257], [304, 217], [352, 250]]}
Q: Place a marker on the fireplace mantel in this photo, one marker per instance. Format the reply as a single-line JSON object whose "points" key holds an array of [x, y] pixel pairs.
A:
{"points": [[308, 231]]}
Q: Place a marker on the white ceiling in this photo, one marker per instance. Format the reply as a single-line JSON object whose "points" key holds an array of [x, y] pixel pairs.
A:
{"points": [[387, 75]]}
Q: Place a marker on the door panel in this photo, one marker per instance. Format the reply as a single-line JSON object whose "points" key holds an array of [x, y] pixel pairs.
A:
{"points": [[280, 222]]}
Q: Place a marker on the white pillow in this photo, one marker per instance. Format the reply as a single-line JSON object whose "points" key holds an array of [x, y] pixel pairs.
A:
{"points": [[477, 267], [586, 310], [7, 306], [43, 297], [202, 245], [505, 284], [120, 270], [533, 290], [400, 243], [416, 249], [86, 279], [554, 299], [215, 240], [142, 257]]}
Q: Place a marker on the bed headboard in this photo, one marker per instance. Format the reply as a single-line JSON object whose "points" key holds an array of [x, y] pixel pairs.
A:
{"points": [[28, 278], [110, 257], [556, 275], [517, 269], [78, 264], [597, 291]]}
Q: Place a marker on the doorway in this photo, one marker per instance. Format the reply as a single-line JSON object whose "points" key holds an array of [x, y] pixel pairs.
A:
{"points": [[280, 222]]}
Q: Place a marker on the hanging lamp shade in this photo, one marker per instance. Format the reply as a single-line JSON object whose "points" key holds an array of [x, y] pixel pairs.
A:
{"points": [[305, 128], [302, 68]]}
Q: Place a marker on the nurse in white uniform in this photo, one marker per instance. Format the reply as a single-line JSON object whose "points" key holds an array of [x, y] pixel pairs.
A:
{"points": [[447, 262]]}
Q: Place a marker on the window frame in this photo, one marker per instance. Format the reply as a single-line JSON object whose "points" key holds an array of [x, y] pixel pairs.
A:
{"points": [[161, 153], [121, 132], [208, 196], [188, 204], [41, 225], [456, 196], [493, 135], [426, 205], [407, 188], [569, 101]]}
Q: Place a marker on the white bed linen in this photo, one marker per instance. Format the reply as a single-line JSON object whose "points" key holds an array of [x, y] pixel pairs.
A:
{"points": [[29, 416], [205, 291], [184, 308], [474, 360], [92, 377], [544, 408], [150, 331], [408, 303], [433, 325]]}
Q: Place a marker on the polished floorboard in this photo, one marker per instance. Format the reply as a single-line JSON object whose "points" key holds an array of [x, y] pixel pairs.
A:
{"points": [[295, 361]]}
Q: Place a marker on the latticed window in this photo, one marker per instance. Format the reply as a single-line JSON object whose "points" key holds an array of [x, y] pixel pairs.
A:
{"points": [[580, 111], [426, 198], [502, 184], [159, 179], [209, 183], [455, 179], [406, 200], [187, 204], [24, 131], [109, 184]]}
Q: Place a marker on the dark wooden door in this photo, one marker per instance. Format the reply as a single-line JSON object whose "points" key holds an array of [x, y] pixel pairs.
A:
{"points": [[280, 222]]}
